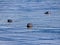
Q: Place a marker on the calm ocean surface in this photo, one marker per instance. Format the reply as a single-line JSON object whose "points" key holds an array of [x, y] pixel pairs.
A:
{"points": [[46, 27]]}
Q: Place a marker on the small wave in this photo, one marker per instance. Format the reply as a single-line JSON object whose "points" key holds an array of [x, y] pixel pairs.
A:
{"points": [[5, 27], [45, 28], [49, 28]]}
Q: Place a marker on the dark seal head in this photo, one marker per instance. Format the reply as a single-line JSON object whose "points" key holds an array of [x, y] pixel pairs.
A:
{"points": [[9, 20], [46, 12], [29, 25]]}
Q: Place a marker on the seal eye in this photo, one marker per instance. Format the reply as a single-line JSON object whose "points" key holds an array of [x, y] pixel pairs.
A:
{"points": [[29, 25], [9, 20]]}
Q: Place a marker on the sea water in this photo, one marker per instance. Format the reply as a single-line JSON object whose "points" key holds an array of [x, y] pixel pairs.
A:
{"points": [[46, 27]]}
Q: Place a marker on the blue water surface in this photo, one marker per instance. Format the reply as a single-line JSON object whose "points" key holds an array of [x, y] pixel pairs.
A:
{"points": [[46, 27]]}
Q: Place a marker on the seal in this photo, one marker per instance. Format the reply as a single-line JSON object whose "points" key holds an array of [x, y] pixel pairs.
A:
{"points": [[46, 12], [29, 25], [9, 20]]}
